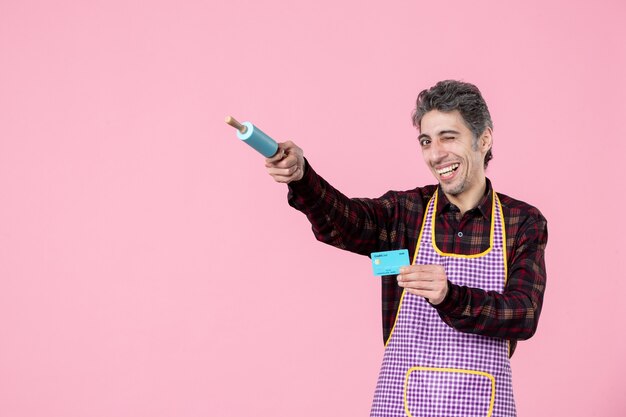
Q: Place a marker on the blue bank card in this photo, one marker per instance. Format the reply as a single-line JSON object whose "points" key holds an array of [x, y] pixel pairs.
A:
{"points": [[389, 262]]}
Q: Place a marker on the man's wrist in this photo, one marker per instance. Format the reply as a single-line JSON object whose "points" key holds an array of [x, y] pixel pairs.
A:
{"points": [[304, 193], [306, 184], [450, 301], [305, 172]]}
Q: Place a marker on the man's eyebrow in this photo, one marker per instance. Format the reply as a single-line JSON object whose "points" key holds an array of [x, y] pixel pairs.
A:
{"points": [[447, 132], [443, 132]]}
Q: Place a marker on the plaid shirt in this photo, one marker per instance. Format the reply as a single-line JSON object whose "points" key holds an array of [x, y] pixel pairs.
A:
{"points": [[393, 221]]}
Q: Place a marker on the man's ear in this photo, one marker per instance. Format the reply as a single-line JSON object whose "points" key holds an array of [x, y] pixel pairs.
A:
{"points": [[486, 140]]}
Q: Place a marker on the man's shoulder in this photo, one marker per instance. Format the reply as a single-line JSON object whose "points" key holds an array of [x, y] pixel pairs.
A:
{"points": [[518, 208], [413, 201], [423, 194]]}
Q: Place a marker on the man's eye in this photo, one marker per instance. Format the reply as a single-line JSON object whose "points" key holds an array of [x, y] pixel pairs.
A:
{"points": [[424, 142], [448, 137]]}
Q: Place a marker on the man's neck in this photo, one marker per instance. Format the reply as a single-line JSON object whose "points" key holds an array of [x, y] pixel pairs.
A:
{"points": [[469, 199]]}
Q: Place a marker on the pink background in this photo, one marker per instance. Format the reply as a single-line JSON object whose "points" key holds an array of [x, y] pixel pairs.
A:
{"points": [[150, 267]]}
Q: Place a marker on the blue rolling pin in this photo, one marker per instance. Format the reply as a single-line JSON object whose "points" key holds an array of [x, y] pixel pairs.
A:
{"points": [[254, 137]]}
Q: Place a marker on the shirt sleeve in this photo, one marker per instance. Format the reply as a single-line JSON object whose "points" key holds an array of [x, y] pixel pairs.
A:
{"points": [[513, 314], [358, 225]]}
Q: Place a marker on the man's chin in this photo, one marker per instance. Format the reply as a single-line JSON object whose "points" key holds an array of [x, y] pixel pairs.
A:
{"points": [[451, 189]]}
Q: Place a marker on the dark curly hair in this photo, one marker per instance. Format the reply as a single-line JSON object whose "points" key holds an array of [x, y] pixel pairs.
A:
{"points": [[450, 95]]}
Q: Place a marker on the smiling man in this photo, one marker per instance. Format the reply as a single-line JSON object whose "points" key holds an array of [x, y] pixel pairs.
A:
{"points": [[452, 319]]}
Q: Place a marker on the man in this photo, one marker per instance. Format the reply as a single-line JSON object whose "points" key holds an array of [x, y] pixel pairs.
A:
{"points": [[452, 319]]}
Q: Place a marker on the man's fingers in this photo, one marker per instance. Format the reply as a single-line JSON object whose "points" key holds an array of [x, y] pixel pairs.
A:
{"points": [[285, 172], [419, 282], [282, 179], [428, 281], [422, 292], [284, 162], [419, 276], [418, 286], [285, 175], [276, 159], [421, 268], [281, 153], [288, 163]]}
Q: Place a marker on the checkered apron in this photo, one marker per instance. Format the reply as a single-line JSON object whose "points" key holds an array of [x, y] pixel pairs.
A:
{"points": [[432, 370]]}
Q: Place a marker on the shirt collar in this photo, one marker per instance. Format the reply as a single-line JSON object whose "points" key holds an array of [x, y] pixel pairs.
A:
{"points": [[484, 205]]}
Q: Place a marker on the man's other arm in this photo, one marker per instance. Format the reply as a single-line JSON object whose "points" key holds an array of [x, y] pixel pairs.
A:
{"points": [[513, 314]]}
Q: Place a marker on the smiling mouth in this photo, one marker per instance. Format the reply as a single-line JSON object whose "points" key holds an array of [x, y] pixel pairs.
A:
{"points": [[447, 171]]}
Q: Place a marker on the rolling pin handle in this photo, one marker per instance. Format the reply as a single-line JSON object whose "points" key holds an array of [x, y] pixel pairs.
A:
{"points": [[234, 123]]}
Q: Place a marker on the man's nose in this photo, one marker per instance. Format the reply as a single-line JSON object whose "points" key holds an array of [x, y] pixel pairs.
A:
{"points": [[438, 152]]}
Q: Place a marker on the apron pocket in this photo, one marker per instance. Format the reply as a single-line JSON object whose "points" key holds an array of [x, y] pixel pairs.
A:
{"points": [[433, 392]]}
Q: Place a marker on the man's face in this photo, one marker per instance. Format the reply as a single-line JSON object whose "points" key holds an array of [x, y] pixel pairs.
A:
{"points": [[452, 154]]}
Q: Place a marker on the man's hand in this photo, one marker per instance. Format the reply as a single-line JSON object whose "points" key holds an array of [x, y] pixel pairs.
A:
{"points": [[288, 163], [429, 281]]}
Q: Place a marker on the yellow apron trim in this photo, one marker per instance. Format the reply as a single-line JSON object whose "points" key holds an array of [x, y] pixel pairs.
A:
{"points": [[452, 370], [456, 255], [506, 265], [417, 248], [504, 258]]}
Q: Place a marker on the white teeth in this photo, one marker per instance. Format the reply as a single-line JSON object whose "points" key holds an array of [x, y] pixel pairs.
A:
{"points": [[447, 169]]}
